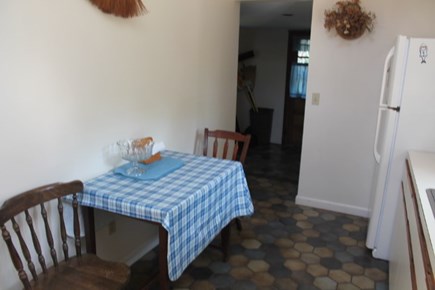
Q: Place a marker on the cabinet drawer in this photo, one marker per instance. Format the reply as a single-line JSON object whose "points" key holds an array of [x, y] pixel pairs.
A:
{"points": [[402, 272]]}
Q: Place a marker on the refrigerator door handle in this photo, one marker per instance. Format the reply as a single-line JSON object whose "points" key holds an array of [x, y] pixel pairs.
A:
{"points": [[384, 76], [382, 106], [375, 145]]}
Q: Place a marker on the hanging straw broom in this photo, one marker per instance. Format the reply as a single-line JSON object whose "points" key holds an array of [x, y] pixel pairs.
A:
{"points": [[121, 8]]}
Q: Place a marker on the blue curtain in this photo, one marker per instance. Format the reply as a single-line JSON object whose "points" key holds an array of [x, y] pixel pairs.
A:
{"points": [[298, 81]]}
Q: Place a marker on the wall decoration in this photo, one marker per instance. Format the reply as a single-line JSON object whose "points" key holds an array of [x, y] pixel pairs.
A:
{"points": [[349, 19], [121, 8], [423, 52]]}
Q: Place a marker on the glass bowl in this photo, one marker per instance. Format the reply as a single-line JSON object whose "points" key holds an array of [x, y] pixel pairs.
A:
{"points": [[135, 150]]}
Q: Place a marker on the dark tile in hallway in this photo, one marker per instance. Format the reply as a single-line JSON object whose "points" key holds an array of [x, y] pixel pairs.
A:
{"points": [[283, 245]]}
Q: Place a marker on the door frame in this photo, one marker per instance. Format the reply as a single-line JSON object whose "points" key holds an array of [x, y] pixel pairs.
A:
{"points": [[287, 118]]}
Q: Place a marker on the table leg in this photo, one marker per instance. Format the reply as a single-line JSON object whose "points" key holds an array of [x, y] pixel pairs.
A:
{"points": [[89, 223], [225, 237], [163, 259]]}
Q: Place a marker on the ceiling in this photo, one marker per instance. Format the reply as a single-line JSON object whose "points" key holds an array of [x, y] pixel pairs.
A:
{"points": [[287, 14]]}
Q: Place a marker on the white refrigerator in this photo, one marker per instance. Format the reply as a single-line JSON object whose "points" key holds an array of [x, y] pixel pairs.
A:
{"points": [[406, 121]]}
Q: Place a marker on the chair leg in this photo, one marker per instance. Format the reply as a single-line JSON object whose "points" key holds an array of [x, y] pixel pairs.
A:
{"points": [[239, 224]]}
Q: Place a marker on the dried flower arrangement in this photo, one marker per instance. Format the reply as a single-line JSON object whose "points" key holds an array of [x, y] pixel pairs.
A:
{"points": [[121, 8], [349, 19]]}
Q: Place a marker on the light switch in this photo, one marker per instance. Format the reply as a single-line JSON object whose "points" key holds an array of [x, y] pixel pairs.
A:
{"points": [[315, 99]]}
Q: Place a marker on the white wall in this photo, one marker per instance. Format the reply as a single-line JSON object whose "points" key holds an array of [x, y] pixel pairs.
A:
{"points": [[74, 80], [270, 49], [337, 163]]}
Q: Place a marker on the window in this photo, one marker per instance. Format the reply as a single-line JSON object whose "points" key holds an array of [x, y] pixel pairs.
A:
{"points": [[299, 68]]}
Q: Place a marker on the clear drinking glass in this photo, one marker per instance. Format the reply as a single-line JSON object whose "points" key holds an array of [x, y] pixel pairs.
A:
{"points": [[133, 151]]}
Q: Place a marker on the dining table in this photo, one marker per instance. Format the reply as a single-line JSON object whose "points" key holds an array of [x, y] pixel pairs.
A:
{"points": [[191, 198]]}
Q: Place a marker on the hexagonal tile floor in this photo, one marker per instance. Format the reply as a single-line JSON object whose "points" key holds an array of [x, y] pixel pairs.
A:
{"points": [[283, 245]]}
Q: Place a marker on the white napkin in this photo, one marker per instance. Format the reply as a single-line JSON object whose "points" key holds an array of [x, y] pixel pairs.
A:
{"points": [[158, 147]]}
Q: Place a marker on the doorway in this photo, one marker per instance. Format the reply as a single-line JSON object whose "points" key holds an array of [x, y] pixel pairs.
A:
{"points": [[264, 32], [298, 57]]}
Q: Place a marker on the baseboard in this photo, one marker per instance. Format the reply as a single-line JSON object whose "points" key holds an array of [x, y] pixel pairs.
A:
{"points": [[333, 206], [140, 251]]}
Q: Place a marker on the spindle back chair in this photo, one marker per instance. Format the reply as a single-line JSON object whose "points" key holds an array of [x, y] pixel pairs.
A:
{"points": [[234, 147], [229, 138], [79, 272]]}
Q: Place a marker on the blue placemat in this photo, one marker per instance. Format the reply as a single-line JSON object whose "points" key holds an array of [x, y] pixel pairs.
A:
{"points": [[153, 171]]}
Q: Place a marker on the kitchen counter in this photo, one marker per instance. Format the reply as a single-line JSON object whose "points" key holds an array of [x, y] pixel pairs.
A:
{"points": [[423, 176]]}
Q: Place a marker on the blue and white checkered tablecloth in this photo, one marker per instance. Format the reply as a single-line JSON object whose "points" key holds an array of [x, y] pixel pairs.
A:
{"points": [[193, 203]]}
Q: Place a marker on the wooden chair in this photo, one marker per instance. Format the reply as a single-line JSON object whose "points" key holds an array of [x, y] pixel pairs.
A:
{"points": [[87, 272], [228, 137], [239, 143]]}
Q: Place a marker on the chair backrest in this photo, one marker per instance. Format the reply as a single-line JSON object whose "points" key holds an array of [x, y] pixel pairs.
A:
{"points": [[229, 138], [19, 206]]}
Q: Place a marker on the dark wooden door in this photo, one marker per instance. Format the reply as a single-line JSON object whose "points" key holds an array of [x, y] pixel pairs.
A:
{"points": [[294, 105]]}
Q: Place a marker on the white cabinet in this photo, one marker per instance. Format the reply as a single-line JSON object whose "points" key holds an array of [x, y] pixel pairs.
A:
{"points": [[400, 259], [410, 266]]}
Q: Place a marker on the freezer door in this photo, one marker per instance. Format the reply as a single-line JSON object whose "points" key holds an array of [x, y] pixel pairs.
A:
{"points": [[393, 96]]}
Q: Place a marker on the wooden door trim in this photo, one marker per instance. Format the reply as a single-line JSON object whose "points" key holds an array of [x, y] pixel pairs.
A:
{"points": [[287, 122]]}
